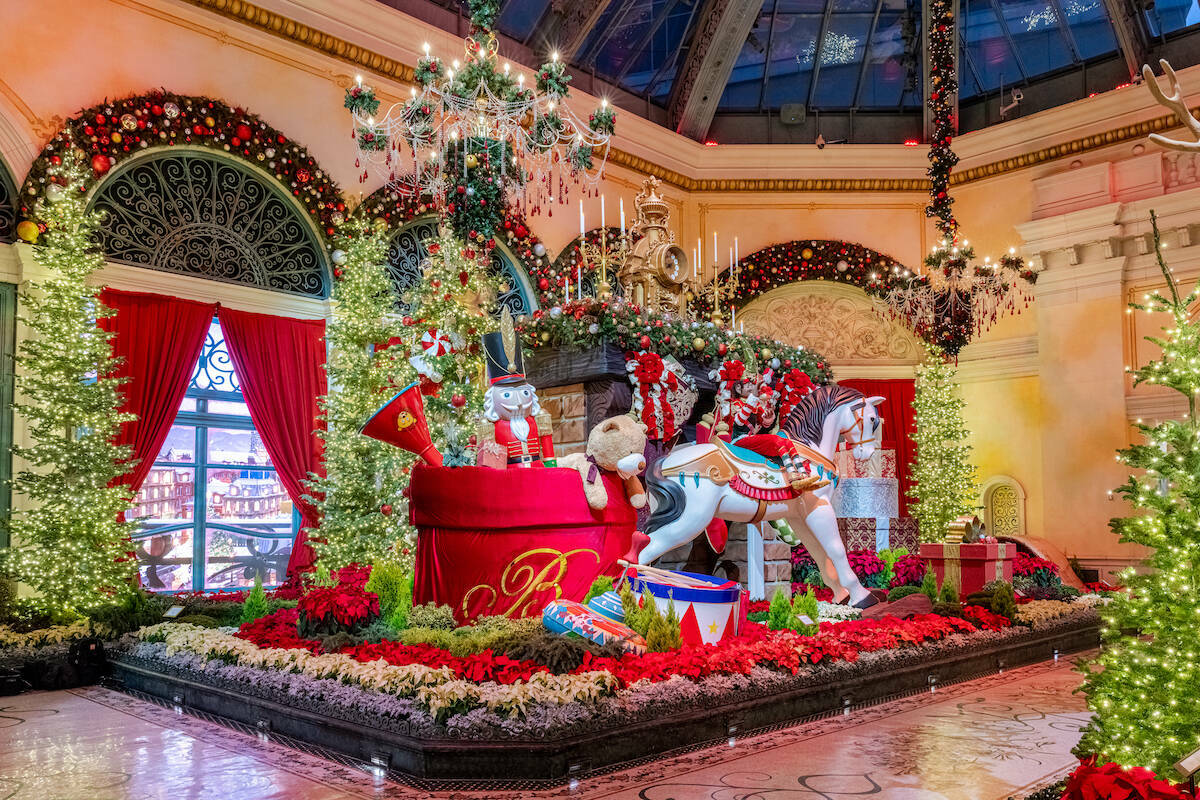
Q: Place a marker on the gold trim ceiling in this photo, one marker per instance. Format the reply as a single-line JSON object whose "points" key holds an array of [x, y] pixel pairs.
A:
{"points": [[307, 36]]}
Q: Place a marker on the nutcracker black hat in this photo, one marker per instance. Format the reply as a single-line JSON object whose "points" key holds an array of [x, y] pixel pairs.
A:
{"points": [[505, 362]]}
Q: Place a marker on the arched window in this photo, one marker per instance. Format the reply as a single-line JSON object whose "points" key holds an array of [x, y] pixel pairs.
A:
{"points": [[196, 213], [407, 250], [203, 537], [8, 205], [1003, 501]]}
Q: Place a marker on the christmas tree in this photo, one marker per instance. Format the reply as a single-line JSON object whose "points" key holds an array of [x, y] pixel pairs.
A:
{"points": [[942, 471], [1144, 699], [360, 500], [450, 310], [70, 543]]}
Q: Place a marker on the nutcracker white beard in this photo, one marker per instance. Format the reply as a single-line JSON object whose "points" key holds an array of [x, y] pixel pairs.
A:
{"points": [[513, 403]]}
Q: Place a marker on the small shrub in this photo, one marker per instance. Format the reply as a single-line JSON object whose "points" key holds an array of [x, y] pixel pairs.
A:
{"points": [[433, 616], [1004, 602], [902, 591], [805, 605], [599, 586], [929, 586], [779, 615], [947, 609], [136, 610], [255, 606], [203, 620], [664, 635], [948, 593], [391, 582], [336, 641], [640, 616], [559, 654], [890, 556], [379, 631]]}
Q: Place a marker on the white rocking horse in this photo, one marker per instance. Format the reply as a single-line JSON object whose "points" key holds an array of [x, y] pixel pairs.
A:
{"points": [[695, 483]]}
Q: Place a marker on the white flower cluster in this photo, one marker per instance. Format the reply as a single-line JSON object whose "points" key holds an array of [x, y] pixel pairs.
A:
{"points": [[832, 612], [434, 687], [52, 635]]}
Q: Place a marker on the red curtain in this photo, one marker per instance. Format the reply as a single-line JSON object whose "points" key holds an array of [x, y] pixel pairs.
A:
{"points": [[280, 363], [159, 339], [899, 425]]}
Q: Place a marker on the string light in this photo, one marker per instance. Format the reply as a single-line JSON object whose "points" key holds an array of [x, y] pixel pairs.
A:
{"points": [[1144, 695], [71, 544], [943, 475]]}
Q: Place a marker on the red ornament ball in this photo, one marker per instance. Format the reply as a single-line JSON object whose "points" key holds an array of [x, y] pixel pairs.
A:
{"points": [[543, 284], [458, 401], [385, 509], [101, 163], [722, 349], [644, 342], [463, 277], [407, 320], [243, 132]]}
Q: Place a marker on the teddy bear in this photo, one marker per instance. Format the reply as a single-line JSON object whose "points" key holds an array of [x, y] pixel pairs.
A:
{"points": [[617, 444]]}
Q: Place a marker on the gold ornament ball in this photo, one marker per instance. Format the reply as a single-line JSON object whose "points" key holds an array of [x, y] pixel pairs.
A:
{"points": [[472, 161], [380, 224], [698, 344], [806, 253], [28, 231], [765, 353], [545, 336]]}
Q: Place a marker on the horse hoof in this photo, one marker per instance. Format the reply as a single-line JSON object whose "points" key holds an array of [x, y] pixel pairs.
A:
{"points": [[866, 602]]}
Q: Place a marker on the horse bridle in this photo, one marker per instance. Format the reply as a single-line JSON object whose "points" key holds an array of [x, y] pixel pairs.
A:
{"points": [[860, 424]]}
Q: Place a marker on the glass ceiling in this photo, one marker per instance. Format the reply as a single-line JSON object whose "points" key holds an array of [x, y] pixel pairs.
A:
{"points": [[867, 56]]}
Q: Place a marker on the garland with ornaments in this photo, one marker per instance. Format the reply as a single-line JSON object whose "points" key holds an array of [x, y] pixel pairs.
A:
{"points": [[587, 323], [113, 131], [943, 89]]}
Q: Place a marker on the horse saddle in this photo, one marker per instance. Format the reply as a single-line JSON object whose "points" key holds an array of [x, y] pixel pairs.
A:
{"points": [[749, 473]]}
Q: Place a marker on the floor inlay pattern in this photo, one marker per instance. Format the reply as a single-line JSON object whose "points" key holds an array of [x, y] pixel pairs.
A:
{"points": [[986, 739]]}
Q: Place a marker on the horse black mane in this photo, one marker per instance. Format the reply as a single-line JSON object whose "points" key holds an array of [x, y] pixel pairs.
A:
{"points": [[806, 421]]}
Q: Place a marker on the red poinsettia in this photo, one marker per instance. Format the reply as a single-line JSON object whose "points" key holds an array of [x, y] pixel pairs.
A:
{"points": [[984, 619], [1113, 782], [1025, 564]]}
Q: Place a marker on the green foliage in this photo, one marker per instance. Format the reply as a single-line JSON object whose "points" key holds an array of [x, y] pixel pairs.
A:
{"points": [[664, 635], [433, 616], [1004, 602], [380, 630], [599, 586], [779, 615], [202, 620], [948, 593], [1143, 694], [135, 610], [455, 297], [255, 606], [561, 654], [929, 586], [890, 556], [638, 616], [805, 605], [363, 476], [902, 591], [393, 583], [70, 543], [945, 609], [944, 479]]}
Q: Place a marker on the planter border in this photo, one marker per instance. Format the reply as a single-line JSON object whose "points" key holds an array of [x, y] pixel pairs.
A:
{"points": [[557, 759]]}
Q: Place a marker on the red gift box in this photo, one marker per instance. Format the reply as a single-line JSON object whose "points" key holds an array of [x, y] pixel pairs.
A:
{"points": [[507, 542], [970, 566]]}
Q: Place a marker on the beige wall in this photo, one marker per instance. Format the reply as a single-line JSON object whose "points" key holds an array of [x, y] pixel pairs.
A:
{"points": [[1046, 398]]}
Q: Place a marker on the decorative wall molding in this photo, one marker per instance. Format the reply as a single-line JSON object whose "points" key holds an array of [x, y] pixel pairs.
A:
{"points": [[999, 359], [839, 321], [1150, 407], [280, 25], [18, 266]]}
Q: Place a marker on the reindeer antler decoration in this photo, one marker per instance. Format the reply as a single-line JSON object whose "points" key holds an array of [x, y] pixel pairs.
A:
{"points": [[1176, 103]]}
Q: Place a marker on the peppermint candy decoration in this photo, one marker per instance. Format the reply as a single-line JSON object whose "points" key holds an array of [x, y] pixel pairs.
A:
{"points": [[436, 342]]}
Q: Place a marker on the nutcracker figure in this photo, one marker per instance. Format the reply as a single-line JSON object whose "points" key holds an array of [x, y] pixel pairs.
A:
{"points": [[743, 404], [510, 403]]}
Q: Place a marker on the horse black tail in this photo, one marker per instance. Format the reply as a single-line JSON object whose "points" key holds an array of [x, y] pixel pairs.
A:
{"points": [[668, 497]]}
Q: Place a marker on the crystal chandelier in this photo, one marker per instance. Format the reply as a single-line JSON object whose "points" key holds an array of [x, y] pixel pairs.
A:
{"points": [[476, 139], [956, 298]]}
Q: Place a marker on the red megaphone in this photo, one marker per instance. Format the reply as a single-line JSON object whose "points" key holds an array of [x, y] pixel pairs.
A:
{"points": [[402, 423]]}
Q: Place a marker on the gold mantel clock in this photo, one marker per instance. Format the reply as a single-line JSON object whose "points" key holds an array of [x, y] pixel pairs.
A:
{"points": [[656, 274]]}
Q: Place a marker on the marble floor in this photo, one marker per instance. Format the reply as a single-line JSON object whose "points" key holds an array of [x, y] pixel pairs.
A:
{"points": [[988, 739]]}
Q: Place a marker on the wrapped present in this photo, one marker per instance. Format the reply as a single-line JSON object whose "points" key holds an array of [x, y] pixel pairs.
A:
{"points": [[491, 454], [903, 532], [970, 566], [569, 617], [882, 464]]}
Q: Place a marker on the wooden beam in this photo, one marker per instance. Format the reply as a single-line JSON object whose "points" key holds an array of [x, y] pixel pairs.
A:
{"points": [[1129, 25], [716, 43]]}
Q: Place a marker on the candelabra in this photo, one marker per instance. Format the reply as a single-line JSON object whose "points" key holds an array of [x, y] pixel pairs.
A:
{"points": [[604, 256]]}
